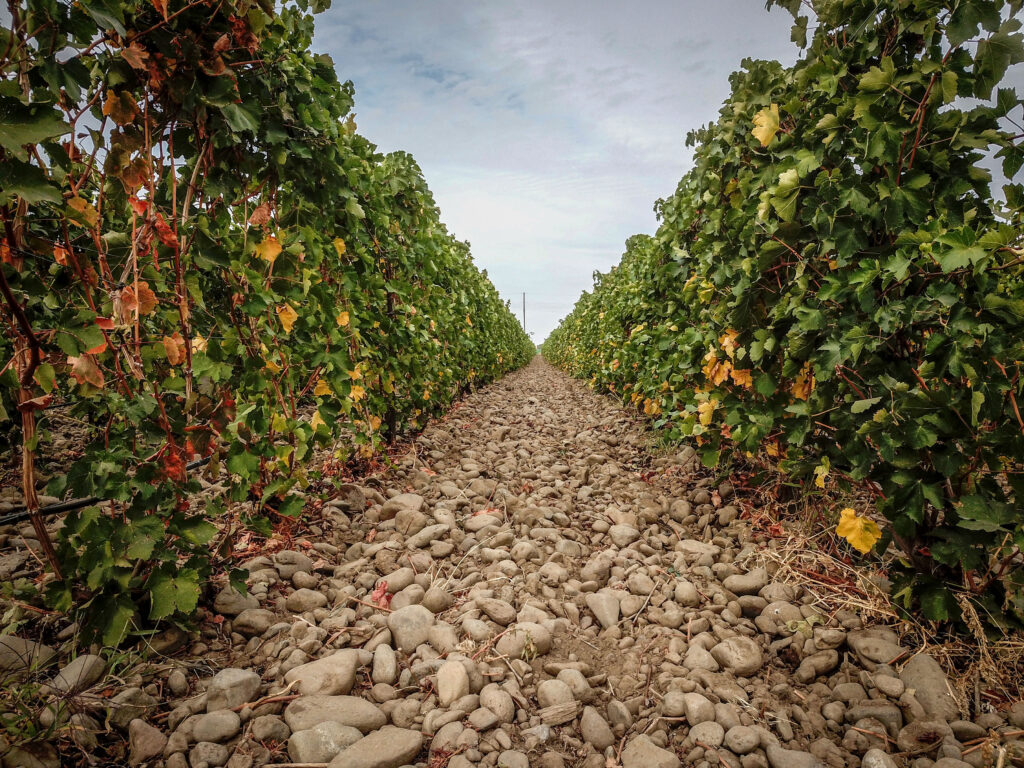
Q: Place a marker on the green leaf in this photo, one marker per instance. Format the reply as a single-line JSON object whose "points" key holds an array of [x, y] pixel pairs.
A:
{"points": [[29, 182], [862, 405], [240, 118], [32, 124]]}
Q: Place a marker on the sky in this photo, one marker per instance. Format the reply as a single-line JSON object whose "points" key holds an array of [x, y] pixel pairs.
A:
{"points": [[546, 129]]}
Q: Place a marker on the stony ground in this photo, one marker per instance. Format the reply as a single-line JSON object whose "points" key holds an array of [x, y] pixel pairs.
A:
{"points": [[531, 587]]}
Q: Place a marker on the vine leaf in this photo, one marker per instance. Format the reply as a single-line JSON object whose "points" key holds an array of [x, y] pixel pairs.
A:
{"points": [[85, 370], [860, 532], [288, 317], [766, 124]]}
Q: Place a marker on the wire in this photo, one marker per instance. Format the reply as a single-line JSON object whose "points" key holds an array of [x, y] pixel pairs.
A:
{"points": [[72, 504]]}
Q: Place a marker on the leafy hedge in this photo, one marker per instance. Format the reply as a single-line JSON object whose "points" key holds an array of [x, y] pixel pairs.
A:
{"points": [[203, 256], [834, 284]]}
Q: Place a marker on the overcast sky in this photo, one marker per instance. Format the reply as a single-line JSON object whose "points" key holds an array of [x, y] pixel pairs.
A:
{"points": [[545, 128]]}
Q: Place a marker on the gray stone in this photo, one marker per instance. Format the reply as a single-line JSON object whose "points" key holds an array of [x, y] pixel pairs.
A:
{"points": [[452, 683], [209, 753], [322, 742], [328, 676], [308, 711], [269, 728], [779, 757], [79, 674], [709, 734], [605, 607], [740, 655], [930, 687], [253, 622], [876, 758], [230, 688], [498, 611], [595, 729], [218, 727], [408, 502], [231, 602], [389, 747], [127, 705], [288, 562], [144, 742], [641, 752], [698, 709], [741, 739], [623, 535], [18, 654], [302, 600], [410, 627], [512, 758], [749, 583], [551, 692]]}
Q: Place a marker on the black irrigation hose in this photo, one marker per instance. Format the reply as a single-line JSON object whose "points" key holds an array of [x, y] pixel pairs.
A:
{"points": [[72, 504]]}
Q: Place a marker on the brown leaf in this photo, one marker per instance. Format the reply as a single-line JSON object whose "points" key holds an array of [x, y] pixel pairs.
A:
{"points": [[174, 347], [145, 302], [164, 232], [161, 5], [260, 216], [120, 107], [85, 371], [35, 404], [135, 55]]}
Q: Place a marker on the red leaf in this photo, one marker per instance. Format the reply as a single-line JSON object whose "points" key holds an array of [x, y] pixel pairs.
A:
{"points": [[174, 465], [105, 323], [380, 596], [139, 206], [164, 232], [35, 404]]}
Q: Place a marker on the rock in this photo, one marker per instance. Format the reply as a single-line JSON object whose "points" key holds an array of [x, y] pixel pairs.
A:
{"points": [[876, 758], [144, 742], [552, 692], [321, 743], [875, 646], [452, 683], [253, 622], [749, 583], [791, 758], [208, 753], [931, 687], [623, 535], [330, 675], [289, 562], [231, 687], [641, 752], [18, 654], [605, 607], [709, 734], [230, 602], [698, 709], [741, 739], [269, 728], [498, 611], [923, 735], [78, 675], [308, 711], [513, 759], [740, 655], [218, 727], [385, 665], [129, 704], [390, 747], [525, 641], [410, 627], [302, 600], [410, 503], [595, 730]]}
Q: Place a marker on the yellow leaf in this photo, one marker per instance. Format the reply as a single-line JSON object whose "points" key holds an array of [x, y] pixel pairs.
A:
{"points": [[174, 348], [861, 532], [323, 388], [743, 377], [288, 317], [820, 473], [706, 410], [339, 246], [357, 393], [804, 384], [342, 319], [728, 342], [766, 124], [357, 372], [468, 321], [317, 421], [269, 249], [273, 367]]}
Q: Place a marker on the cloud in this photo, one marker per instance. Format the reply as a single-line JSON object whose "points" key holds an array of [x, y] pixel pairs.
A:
{"points": [[545, 130]]}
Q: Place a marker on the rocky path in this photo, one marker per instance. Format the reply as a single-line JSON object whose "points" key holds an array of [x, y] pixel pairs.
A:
{"points": [[531, 586]]}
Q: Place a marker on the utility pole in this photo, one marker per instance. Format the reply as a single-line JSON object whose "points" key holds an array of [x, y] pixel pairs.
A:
{"points": [[524, 310]]}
